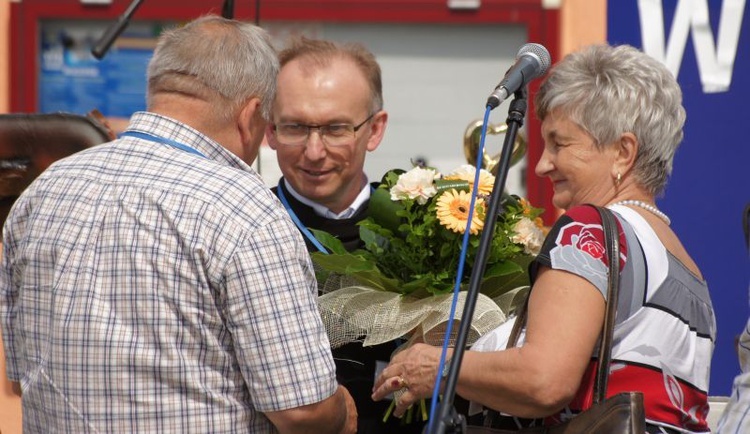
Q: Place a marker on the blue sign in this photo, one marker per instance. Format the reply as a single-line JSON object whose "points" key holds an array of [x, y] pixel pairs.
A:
{"points": [[72, 80], [706, 44]]}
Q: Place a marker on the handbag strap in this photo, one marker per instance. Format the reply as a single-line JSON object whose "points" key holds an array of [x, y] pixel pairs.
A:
{"points": [[612, 248]]}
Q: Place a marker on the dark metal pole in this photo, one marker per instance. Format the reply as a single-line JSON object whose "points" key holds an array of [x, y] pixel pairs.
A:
{"points": [[227, 11], [102, 46]]}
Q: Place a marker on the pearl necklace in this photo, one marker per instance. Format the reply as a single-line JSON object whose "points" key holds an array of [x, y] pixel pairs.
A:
{"points": [[648, 207]]}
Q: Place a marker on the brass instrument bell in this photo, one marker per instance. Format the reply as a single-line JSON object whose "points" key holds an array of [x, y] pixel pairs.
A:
{"points": [[472, 136]]}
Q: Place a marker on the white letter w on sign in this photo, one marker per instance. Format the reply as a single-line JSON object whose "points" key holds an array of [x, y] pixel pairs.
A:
{"points": [[715, 62]]}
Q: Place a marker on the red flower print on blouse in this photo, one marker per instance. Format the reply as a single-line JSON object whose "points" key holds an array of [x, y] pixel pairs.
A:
{"points": [[586, 238]]}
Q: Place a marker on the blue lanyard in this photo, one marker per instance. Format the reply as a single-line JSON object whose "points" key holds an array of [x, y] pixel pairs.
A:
{"points": [[163, 140], [306, 232]]}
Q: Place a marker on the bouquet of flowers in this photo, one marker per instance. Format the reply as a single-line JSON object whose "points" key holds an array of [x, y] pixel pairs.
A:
{"points": [[401, 282]]}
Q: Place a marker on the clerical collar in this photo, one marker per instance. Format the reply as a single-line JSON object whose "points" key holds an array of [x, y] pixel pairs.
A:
{"points": [[362, 197]]}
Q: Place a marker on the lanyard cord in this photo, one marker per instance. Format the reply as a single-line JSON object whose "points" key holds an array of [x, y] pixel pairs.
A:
{"points": [[305, 231], [164, 140]]}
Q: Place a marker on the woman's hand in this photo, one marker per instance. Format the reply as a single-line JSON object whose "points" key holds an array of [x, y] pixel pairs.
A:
{"points": [[411, 371]]}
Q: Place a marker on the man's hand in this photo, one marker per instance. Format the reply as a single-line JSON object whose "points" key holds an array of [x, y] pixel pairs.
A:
{"points": [[350, 425], [335, 415]]}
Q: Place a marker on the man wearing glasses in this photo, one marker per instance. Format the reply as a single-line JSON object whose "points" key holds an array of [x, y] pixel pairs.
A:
{"points": [[328, 113]]}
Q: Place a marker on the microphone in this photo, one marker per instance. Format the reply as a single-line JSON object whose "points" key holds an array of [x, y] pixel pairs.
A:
{"points": [[102, 46], [532, 61]]}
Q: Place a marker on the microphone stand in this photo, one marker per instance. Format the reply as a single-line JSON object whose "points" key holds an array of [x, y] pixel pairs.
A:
{"points": [[108, 38], [227, 10], [448, 420]]}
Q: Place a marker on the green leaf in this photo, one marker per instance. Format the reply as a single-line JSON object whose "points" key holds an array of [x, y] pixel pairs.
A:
{"points": [[505, 276], [509, 200], [390, 178], [375, 279], [342, 263], [504, 268], [321, 275], [358, 267], [411, 286], [329, 241], [374, 236], [384, 211]]}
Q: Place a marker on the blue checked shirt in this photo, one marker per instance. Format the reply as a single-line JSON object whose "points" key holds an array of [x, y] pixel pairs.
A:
{"points": [[144, 288]]}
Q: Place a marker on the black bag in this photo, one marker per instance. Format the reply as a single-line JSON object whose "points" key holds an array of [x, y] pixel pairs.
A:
{"points": [[620, 414]]}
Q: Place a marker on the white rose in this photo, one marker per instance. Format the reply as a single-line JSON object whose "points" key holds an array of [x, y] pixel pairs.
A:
{"points": [[529, 235], [418, 183], [464, 171]]}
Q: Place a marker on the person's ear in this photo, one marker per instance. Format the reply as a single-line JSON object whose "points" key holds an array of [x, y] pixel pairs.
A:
{"points": [[379, 122], [250, 122], [626, 153], [271, 137]]}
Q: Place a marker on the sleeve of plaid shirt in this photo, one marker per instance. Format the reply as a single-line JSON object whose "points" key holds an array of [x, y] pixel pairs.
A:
{"points": [[8, 296], [272, 313]]}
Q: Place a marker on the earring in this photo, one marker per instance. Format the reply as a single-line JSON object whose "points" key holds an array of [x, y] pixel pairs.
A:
{"points": [[618, 180]]}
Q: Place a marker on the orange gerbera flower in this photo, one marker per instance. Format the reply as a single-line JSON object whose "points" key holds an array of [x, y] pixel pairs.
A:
{"points": [[453, 212]]}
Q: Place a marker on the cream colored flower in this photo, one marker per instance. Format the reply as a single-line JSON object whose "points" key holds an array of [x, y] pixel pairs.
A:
{"points": [[466, 172], [528, 234], [418, 183], [453, 212]]}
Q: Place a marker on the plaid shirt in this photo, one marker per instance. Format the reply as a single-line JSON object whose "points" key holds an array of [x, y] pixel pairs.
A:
{"points": [[144, 288]]}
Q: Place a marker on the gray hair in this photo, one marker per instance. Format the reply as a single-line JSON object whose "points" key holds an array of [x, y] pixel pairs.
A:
{"points": [[223, 61], [611, 90]]}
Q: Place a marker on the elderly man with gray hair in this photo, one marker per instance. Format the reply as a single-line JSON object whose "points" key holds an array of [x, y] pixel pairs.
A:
{"points": [[154, 283]]}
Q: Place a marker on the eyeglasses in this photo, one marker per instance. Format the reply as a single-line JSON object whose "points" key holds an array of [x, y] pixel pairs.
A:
{"points": [[331, 135]]}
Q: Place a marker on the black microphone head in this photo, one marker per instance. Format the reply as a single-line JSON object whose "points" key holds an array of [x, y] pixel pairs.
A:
{"points": [[539, 53]]}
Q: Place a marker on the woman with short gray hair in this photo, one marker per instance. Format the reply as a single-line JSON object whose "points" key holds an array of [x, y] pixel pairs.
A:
{"points": [[612, 119]]}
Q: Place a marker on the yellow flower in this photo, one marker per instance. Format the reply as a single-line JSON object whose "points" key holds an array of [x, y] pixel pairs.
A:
{"points": [[453, 212], [466, 173]]}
